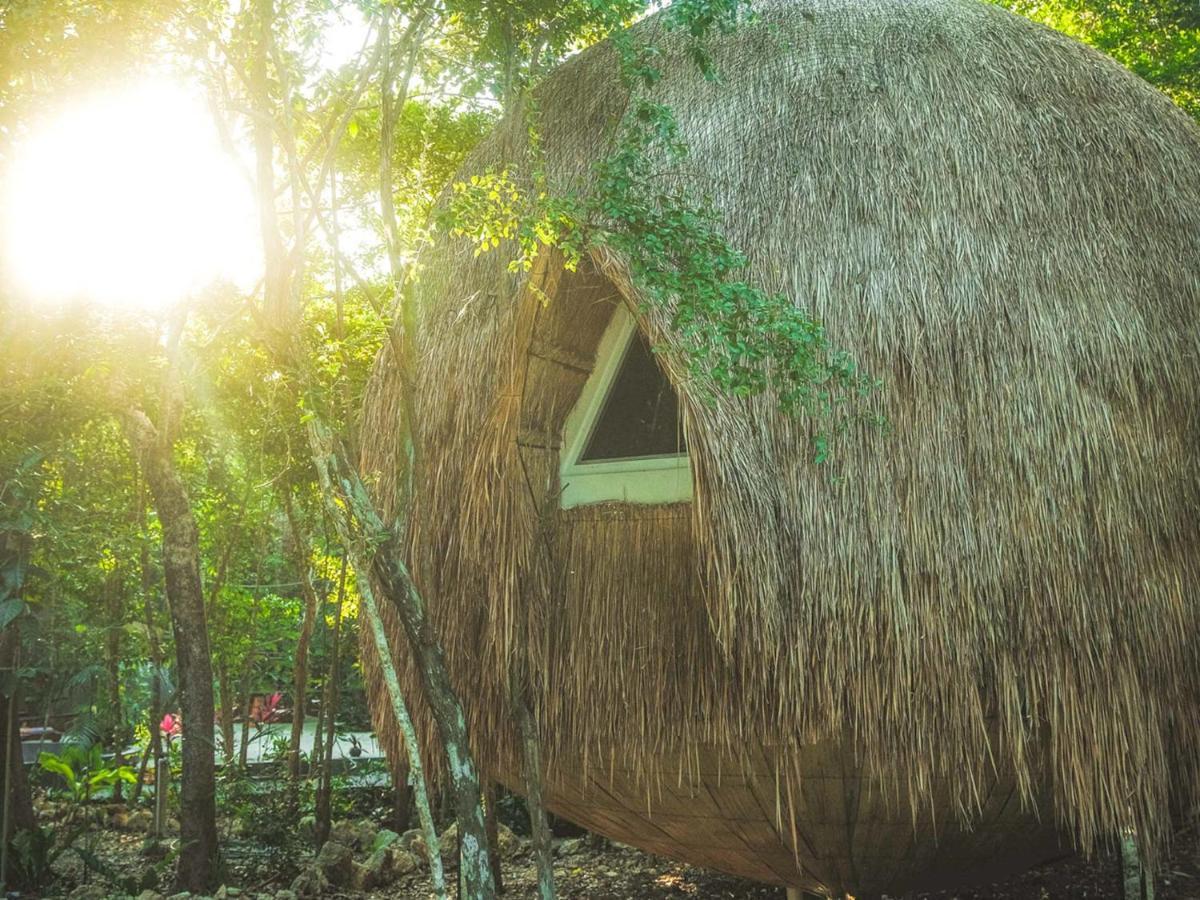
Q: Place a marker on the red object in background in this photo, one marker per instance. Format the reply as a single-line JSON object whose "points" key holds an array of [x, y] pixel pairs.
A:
{"points": [[170, 726], [267, 711]]}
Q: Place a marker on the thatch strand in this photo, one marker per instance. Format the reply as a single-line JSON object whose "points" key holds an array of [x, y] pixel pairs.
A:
{"points": [[988, 610]]}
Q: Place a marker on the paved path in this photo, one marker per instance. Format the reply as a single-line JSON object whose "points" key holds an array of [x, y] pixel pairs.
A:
{"points": [[261, 740]]}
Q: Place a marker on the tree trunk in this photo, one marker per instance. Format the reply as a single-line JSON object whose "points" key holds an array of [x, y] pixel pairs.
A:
{"points": [[531, 771], [354, 516], [493, 834], [324, 787], [1137, 883], [154, 747], [247, 681], [301, 549], [18, 802], [217, 620], [416, 768], [225, 714], [374, 549], [114, 719], [185, 597]]}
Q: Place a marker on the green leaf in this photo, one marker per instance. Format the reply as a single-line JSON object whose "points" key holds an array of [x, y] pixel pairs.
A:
{"points": [[9, 610]]}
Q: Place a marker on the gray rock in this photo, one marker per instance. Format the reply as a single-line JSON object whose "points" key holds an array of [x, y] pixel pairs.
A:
{"points": [[400, 862], [448, 846], [150, 895], [570, 847], [140, 820], [384, 838], [309, 884], [336, 862], [383, 867], [507, 842], [414, 842], [358, 835], [285, 894], [88, 892]]}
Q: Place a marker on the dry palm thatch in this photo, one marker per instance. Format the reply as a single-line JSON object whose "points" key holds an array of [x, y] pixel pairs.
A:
{"points": [[879, 679]]}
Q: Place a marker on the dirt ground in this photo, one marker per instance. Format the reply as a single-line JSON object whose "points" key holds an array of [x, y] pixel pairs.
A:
{"points": [[615, 872], [620, 873]]}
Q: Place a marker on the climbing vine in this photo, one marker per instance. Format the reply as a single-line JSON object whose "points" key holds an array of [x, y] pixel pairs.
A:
{"points": [[736, 337]]}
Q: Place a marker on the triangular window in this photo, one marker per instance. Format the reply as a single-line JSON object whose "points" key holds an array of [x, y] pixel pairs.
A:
{"points": [[624, 440], [640, 416]]}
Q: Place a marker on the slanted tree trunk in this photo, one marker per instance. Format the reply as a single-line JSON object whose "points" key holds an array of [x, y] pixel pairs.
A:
{"points": [[412, 747], [374, 549], [347, 498], [300, 548], [185, 597]]}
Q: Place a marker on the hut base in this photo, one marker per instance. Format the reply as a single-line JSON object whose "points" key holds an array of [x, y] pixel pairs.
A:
{"points": [[850, 835]]}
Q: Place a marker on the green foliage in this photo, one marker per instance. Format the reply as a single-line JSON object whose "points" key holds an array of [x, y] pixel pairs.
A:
{"points": [[1157, 39], [84, 771], [491, 208], [737, 338]]}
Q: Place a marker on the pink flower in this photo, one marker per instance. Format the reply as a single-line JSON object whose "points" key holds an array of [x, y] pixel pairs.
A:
{"points": [[269, 710], [170, 726]]}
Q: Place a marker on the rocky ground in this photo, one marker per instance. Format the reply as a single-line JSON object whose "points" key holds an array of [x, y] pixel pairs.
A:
{"points": [[364, 862]]}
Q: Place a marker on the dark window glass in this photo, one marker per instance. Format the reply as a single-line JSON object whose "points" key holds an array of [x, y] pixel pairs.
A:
{"points": [[641, 413]]}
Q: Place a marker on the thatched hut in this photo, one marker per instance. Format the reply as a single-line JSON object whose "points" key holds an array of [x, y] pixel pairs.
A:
{"points": [[973, 646]]}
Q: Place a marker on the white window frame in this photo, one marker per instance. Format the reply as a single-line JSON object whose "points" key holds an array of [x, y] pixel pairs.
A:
{"points": [[643, 479]]}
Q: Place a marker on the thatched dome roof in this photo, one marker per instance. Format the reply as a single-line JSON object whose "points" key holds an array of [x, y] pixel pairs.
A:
{"points": [[992, 605]]}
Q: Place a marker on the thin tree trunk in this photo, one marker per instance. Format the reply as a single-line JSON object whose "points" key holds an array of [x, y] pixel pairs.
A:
{"points": [[374, 549], [324, 787], [247, 703], [351, 511], [185, 596], [112, 718], [18, 802], [301, 550], [416, 768], [226, 712], [318, 745], [114, 608], [531, 771], [247, 683], [217, 620], [154, 747], [493, 834]]}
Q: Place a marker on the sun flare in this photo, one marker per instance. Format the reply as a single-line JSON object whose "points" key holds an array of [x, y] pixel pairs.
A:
{"points": [[127, 199]]}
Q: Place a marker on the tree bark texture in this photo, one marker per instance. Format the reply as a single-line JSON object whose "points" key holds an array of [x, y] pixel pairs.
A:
{"points": [[196, 867], [19, 800], [531, 771], [415, 769]]}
